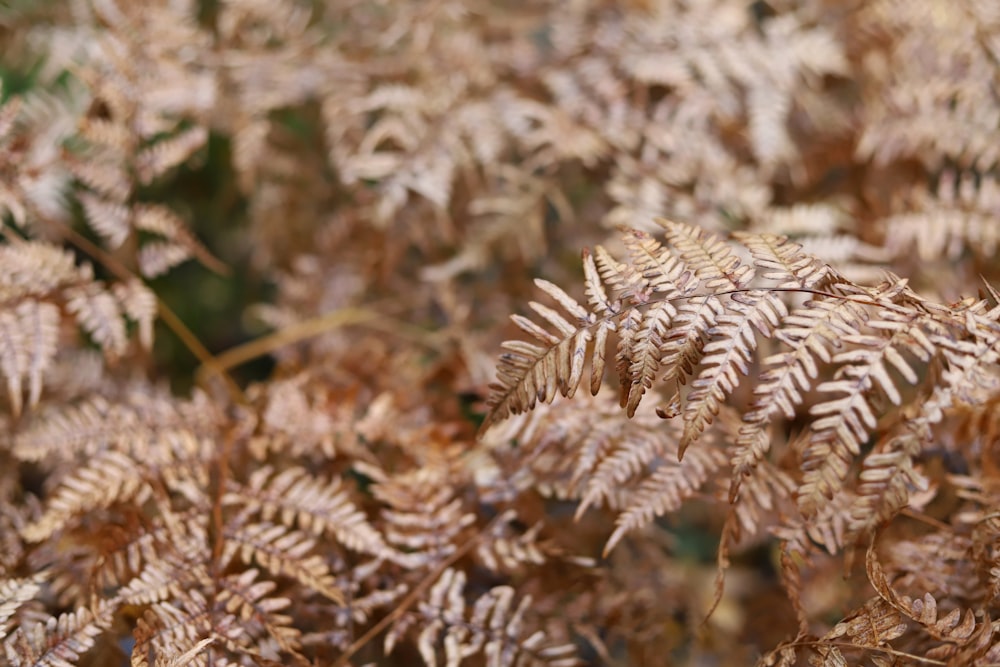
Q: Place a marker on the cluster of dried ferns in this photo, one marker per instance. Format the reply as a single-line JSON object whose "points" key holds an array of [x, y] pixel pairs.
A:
{"points": [[792, 288]]}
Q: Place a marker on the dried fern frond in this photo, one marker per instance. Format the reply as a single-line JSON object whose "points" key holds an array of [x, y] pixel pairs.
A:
{"points": [[58, 641], [957, 633], [13, 594], [693, 309], [930, 96], [715, 322], [41, 289], [282, 551], [492, 626], [295, 496], [869, 628], [956, 217]]}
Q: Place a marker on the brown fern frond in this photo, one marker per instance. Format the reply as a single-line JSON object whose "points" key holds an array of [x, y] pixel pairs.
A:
{"points": [[844, 423], [872, 626], [665, 490], [178, 244], [504, 550], [179, 566], [110, 220], [761, 495], [284, 552], [13, 594], [779, 259], [423, 524], [295, 496], [727, 357], [175, 633], [58, 641], [251, 601], [709, 257], [955, 631], [811, 331], [493, 627], [107, 478], [155, 160], [613, 456], [660, 320], [40, 288], [887, 478]]}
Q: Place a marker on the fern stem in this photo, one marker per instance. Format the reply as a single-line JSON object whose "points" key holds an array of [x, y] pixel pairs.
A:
{"points": [[881, 649], [166, 313], [310, 328]]}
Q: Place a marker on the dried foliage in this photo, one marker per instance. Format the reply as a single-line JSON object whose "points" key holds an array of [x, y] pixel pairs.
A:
{"points": [[787, 217]]}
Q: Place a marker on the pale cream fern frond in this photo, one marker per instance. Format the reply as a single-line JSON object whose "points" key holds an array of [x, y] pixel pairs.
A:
{"points": [[454, 628], [42, 290], [693, 309]]}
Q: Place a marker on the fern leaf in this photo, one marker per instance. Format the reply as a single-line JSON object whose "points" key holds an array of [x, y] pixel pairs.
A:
{"points": [[665, 275], [106, 478], [708, 256], [887, 478], [844, 423], [783, 261], [633, 336], [58, 641], [617, 276], [682, 351], [155, 160], [427, 530], [28, 336], [162, 579], [283, 552], [761, 495], [177, 245], [109, 219], [13, 594], [504, 550], [653, 333], [140, 305], [629, 458], [493, 628], [664, 491], [530, 372], [156, 258], [597, 295], [173, 633], [317, 505], [246, 598], [810, 331], [99, 314], [36, 269], [646, 355], [954, 627], [872, 626], [728, 356]]}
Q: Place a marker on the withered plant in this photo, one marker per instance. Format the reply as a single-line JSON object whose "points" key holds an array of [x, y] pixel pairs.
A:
{"points": [[257, 259]]}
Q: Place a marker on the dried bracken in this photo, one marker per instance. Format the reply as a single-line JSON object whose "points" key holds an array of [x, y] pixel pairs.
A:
{"points": [[759, 421]]}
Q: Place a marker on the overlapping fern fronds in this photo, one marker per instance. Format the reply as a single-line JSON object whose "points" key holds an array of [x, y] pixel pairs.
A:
{"points": [[694, 312]]}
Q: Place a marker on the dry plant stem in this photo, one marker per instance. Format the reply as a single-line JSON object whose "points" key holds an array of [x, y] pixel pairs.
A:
{"points": [[168, 316], [920, 516], [241, 354], [369, 317], [880, 649], [412, 596]]}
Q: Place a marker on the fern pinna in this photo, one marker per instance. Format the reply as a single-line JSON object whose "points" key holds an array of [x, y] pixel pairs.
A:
{"points": [[695, 317]]}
